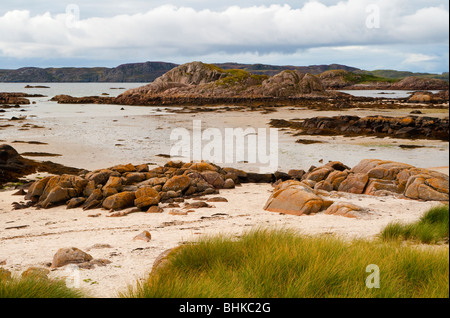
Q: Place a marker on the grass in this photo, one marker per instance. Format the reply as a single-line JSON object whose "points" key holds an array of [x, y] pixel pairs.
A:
{"points": [[432, 227], [35, 287], [279, 263]]}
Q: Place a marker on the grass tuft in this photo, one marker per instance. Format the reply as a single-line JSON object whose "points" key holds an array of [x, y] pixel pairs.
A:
{"points": [[280, 263], [433, 227]]}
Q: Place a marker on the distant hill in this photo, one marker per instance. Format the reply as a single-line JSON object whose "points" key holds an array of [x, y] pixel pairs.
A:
{"points": [[135, 72], [141, 72], [392, 74], [149, 71]]}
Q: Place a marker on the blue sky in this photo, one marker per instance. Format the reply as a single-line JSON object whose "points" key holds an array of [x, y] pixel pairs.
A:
{"points": [[368, 34]]}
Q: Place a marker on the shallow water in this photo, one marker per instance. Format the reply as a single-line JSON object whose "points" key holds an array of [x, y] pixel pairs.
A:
{"points": [[381, 93]]}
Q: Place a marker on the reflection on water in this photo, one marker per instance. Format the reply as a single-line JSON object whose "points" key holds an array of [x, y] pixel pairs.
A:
{"points": [[381, 93]]}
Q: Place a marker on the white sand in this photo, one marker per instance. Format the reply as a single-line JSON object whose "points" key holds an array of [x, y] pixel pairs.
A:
{"points": [[48, 230]]}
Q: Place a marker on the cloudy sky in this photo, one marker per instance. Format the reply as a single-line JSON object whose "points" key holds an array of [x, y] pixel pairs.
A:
{"points": [[408, 35]]}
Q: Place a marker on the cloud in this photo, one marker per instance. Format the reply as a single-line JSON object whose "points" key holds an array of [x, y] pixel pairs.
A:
{"points": [[169, 31]]}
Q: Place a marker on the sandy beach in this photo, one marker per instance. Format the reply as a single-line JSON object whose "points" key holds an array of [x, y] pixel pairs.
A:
{"points": [[31, 237], [96, 139]]}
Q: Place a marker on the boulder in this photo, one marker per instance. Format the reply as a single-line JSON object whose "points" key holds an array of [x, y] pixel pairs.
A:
{"points": [[214, 178], [71, 255], [293, 197], [354, 183], [177, 183], [146, 197], [119, 201], [345, 209]]}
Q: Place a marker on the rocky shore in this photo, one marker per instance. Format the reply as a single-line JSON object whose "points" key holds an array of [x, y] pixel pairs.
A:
{"points": [[410, 127], [139, 188]]}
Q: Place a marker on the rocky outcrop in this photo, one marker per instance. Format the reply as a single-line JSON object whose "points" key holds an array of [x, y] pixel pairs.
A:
{"points": [[13, 166], [199, 80], [370, 177], [411, 127], [295, 197]]}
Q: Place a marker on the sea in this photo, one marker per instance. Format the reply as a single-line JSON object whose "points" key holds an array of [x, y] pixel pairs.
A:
{"points": [[113, 134]]}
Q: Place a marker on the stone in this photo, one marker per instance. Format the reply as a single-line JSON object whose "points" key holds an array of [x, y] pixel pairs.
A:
{"points": [[323, 185], [70, 255], [197, 205], [119, 201], [143, 236], [155, 209], [381, 187], [202, 166], [114, 182], [354, 183], [217, 199], [427, 187], [319, 174], [133, 177], [75, 202], [214, 178], [124, 168], [296, 173], [345, 209], [146, 197], [177, 212], [229, 184], [177, 183], [335, 178], [294, 197]]}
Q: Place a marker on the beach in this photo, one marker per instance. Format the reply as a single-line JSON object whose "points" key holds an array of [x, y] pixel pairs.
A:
{"points": [[100, 136]]}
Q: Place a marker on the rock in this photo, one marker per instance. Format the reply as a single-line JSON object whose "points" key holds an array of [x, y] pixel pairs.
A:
{"points": [[75, 202], [323, 185], [59, 189], [214, 178], [428, 187], [143, 236], [94, 200], [124, 168], [100, 176], [202, 166], [177, 212], [229, 184], [197, 205], [345, 209], [36, 272], [381, 187], [114, 182], [217, 199], [319, 174], [293, 197], [155, 209], [335, 178], [177, 183], [133, 177], [70, 255], [296, 174], [354, 183], [146, 197], [119, 201]]}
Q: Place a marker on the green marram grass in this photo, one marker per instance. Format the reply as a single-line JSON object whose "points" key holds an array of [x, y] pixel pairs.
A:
{"points": [[36, 287], [282, 264], [433, 227]]}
